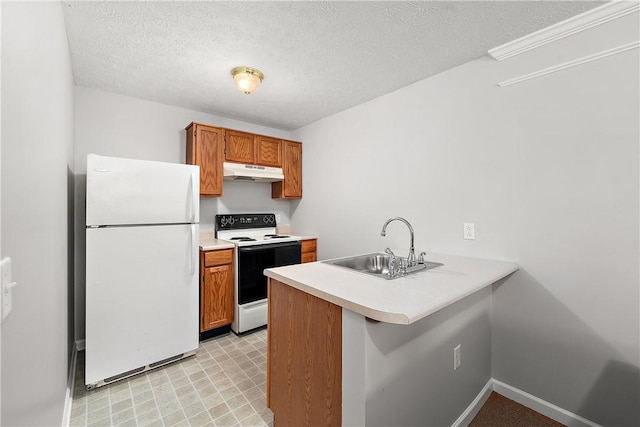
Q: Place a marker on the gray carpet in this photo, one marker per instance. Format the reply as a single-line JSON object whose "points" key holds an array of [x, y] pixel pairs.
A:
{"points": [[498, 411]]}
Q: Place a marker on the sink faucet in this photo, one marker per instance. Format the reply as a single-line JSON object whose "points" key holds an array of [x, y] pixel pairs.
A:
{"points": [[411, 259]]}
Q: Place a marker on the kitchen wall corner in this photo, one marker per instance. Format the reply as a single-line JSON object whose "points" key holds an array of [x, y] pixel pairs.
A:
{"points": [[115, 125], [547, 169], [37, 211]]}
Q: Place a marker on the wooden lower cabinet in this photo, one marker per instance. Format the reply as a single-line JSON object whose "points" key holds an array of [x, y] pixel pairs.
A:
{"points": [[309, 251], [304, 358], [216, 289]]}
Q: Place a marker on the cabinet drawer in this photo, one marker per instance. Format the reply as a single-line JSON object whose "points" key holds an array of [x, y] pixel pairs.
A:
{"points": [[308, 246], [219, 257]]}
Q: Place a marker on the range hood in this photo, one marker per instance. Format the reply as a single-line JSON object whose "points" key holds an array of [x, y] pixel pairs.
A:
{"points": [[242, 172]]}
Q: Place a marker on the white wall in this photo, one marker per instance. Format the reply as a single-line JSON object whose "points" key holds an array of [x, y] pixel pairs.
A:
{"points": [[37, 157], [407, 377], [546, 169], [121, 126], [410, 379]]}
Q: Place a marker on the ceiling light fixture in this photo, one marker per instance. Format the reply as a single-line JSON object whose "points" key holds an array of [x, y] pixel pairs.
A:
{"points": [[247, 79]]}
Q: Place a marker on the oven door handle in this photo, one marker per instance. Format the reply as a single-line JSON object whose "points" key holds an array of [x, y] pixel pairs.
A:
{"points": [[258, 248]]}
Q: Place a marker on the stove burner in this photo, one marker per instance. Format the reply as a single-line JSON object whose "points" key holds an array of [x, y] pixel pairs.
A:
{"points": [[274, 236], [243, 239]]}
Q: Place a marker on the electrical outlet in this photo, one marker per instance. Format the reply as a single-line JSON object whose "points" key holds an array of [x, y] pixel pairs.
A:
{"points": [[469, 232], [457, 357], [277, 218]]}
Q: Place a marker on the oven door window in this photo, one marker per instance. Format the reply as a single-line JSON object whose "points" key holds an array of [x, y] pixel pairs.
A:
{"points": [[252, 260]]}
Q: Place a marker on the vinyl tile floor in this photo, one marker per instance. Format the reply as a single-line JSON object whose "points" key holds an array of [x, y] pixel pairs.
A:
{"points": [[224, 384]]}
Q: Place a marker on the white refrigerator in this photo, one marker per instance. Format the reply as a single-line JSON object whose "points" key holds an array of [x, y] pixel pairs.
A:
{"points": [[142, 288]]}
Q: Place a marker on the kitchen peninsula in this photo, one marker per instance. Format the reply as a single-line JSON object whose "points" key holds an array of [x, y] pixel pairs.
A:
{"points": [[346, 348]]}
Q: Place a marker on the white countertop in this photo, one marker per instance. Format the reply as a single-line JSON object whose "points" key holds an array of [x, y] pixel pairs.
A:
{"points": [[303, 236], [286, 229], [209, 243], [402, 301]]}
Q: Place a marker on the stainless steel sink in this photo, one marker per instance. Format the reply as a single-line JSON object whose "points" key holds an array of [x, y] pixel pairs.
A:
{"points": [[377, 265]]}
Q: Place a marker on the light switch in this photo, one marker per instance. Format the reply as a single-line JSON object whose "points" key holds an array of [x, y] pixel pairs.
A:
{"points": [[7, 284]]}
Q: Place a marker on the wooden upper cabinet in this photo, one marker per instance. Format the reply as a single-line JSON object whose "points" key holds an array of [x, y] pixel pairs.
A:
{"points": [[239, 147], [268, 151], [209, 147], [205, 148], [291, 187]]}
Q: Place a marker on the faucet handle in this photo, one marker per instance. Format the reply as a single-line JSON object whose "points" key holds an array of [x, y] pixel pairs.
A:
{"points": [[392, 262], [421, 257]]}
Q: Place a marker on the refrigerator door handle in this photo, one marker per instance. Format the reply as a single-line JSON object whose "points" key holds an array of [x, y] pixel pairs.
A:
{"points": [[193, 255], [193, 196]]}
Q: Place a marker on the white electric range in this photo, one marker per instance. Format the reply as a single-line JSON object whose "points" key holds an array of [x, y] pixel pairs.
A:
{"points": [[258, 247]]}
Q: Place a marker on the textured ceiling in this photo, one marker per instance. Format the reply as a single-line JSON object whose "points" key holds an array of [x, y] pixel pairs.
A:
{"points": [[318, 57]]}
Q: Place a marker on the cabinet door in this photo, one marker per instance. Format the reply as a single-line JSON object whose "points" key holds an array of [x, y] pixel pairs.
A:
{"points": [[293, 169], [268, 151], [217, 297], [205, 148], [291, 187], [239, 147]]}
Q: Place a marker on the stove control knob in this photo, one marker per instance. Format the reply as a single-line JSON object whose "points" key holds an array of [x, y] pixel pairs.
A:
{"points": [[266, 219]]}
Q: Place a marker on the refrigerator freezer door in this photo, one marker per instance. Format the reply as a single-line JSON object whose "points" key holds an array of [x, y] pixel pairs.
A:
{"points": [[127, 191], [141, 297]]}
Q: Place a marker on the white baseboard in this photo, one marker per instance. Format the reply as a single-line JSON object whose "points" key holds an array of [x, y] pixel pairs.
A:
{"points": [[542, 406], [472, 410], [68, 401], [80, 345]]}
